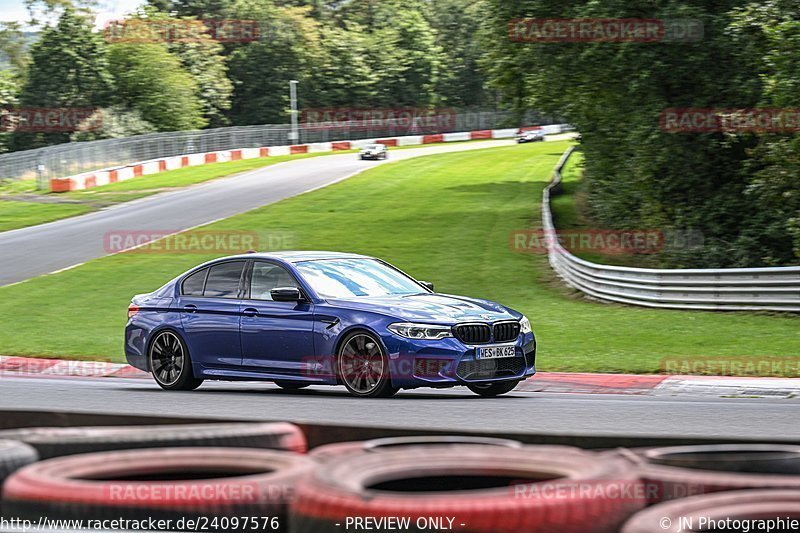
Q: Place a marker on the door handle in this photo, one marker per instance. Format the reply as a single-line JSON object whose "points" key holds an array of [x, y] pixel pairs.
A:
{"points": [[190, 308], [251, 312]]}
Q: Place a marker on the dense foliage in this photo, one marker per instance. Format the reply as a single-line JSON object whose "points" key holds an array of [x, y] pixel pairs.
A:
{"points": [[740, 190]]}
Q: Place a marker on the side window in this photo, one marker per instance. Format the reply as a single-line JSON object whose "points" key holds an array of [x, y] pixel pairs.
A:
{"points": [[193, 285], [223, 280], [266, 277]]}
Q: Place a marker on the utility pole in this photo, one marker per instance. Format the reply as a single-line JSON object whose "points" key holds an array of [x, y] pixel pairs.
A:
{"points": [[294, 136]]}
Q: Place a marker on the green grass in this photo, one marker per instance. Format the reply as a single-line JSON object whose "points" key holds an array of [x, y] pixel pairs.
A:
{"points": [[31, 212], [17, 214], [444, 218]]}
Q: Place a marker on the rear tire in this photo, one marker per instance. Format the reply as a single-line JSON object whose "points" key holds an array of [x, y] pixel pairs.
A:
{"points": [[169, 361], [490, 390]]}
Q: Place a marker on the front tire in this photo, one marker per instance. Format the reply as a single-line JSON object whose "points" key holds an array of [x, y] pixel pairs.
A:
{"points": [[490, 390], [363, 367], [169, 361]]}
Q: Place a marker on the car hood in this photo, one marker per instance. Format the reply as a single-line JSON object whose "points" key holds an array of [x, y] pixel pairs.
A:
{"points": [[434, 308]]}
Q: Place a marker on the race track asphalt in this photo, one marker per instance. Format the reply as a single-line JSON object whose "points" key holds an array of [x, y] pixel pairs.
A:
{"points": [[456, 409], [37, 250]]}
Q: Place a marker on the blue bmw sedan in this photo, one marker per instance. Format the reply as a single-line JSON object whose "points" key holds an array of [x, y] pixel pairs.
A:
{"points": [[323, 318]]}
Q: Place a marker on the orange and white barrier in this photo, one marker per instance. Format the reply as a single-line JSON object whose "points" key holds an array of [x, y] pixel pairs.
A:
{"points": [[97, 178]]}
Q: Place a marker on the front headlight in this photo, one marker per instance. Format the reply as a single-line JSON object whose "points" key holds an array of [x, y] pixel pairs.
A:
{"points": [[525, 325], [420, 331]]}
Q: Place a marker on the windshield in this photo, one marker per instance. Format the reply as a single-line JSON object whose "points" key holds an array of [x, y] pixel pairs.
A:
{"points": [[373, 146], [349, 278]]}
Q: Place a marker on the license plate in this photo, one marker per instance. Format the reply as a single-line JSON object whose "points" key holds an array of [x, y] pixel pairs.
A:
{"points": [[496, 352]]}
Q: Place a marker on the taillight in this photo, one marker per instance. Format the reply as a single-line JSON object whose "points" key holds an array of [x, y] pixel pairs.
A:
{"points": [[132, 310]]}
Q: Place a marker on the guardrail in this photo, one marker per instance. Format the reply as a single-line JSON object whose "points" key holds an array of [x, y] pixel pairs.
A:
{"points": [[728, 289]]}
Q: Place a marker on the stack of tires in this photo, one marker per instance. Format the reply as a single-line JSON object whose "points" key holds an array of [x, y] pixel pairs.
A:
{"points": [[184, 477], [725, 487], [258, 477]]}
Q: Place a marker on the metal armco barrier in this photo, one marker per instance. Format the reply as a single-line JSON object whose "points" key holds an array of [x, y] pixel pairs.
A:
{"points": [[728, 289]]}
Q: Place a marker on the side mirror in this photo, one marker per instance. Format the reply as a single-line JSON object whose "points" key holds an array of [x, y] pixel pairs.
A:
{"points": [[286, 294], [428, 285]]}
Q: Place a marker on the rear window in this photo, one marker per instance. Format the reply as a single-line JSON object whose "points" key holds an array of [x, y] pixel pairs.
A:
{"points": [[193, 285], [223, 280]]}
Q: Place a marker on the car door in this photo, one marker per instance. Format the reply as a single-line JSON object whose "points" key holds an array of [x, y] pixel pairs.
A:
{"points": [[209, 307], [277, 337]]}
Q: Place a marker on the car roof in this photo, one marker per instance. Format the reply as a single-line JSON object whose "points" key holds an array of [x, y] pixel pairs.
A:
{"points": [[300, 255]]}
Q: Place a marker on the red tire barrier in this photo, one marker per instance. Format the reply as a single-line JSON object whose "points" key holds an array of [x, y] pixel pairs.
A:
{"points": [[342, 145], [163, 484], [695, 513], [55, 441], [14, 455], [473, 489], [335, 451], [387, 142], [681, 471]]}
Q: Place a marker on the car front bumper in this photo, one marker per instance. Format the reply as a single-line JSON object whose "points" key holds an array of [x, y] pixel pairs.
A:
{"points": [[449, 362]]}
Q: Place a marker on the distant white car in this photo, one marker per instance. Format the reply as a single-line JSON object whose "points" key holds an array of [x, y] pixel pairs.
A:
{"points": [[530, 136], [374, 151]]}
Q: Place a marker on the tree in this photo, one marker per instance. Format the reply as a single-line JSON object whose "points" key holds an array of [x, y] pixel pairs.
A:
{"points": [[261, 70], [772, 235], [345, 76], [407, 59], [639, 176], [13, 51], [201, 56], [117, 121], [69, 68], [458, 25], [9, 88], [151, 80]]}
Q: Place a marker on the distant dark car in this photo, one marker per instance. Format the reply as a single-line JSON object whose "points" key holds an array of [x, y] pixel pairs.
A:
{"points": [[530, 136], [374, 151]]}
